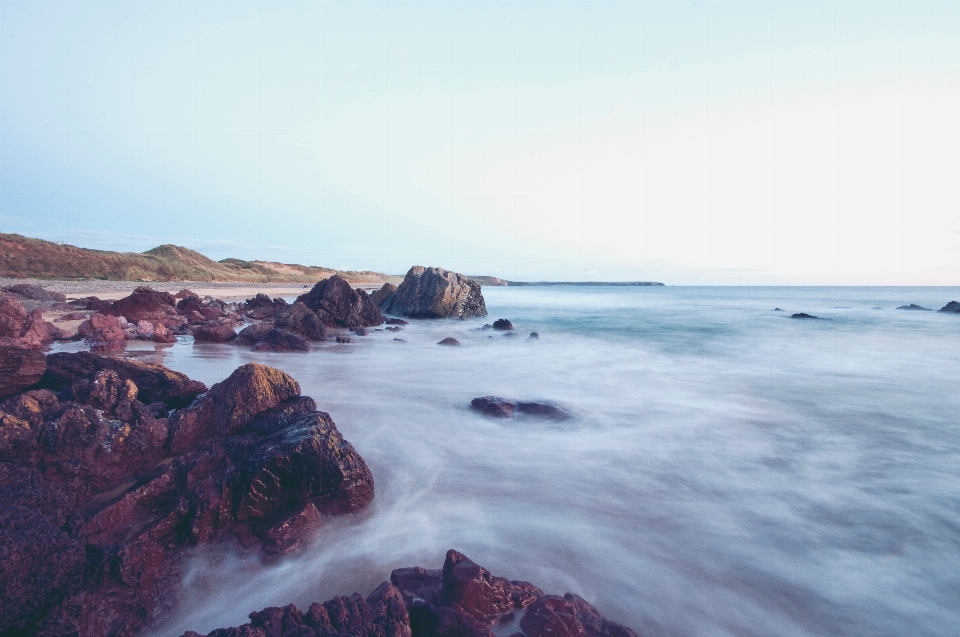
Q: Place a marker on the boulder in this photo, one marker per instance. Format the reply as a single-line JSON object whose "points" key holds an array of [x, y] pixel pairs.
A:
{"points": [[262, 307], [436, 293], [94, 304], [502, 324], [343, 339], [450, 342], [534, 335], [194, 307], [104, 333], [156, 332], [35, 292], [511, 334], [20, 368], [339, 305], [275, 340], [13, 317], [383, 293], [952, 307], [147, 304], [214, 332], [497, 407], [301, 320], [97, 515], [254, 333], [493, 406], [462, 599]]}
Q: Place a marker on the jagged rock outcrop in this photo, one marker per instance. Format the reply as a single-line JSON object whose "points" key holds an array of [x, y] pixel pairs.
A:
{"points": [[262, 306], [383, 293], [19, 368], [462, 599], [436, 293], [300, 320], [104, 332], [339, 305], [99, 498]]}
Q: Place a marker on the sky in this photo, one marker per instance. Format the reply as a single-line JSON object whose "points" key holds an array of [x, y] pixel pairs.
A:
{"points": [[694, 143]]}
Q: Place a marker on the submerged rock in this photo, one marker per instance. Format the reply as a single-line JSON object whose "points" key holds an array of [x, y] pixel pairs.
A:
{"points": [[462, 599], [280, 341], [497, 407], [803, 315], [339, 305], [914, 307], [534, 335], [436, 293], [450, 342], [101, 493], [396, 321]]}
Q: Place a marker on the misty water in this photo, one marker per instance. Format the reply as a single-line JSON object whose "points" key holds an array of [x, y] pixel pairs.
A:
{"points": [[730, 471]]}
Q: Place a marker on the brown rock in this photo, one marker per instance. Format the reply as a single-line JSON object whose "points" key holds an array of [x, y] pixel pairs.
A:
{"points": [[569, 616], [383, 293], [275, 340], [147, 304], [301, 320], [20, 368], [436, 293], [103, 332], [35, 292], [214, 332], [13, 317], [339, 305]]}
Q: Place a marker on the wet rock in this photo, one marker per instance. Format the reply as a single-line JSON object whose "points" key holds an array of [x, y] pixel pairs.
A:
{"points": [[343, 338], [339, 305], [511, 334], [952, 307], [450, 342], [254, 333], [400, 340], [534, 335], [436, 293], [497, 407], [396, 321], [394, 328], [156, 383], [103, 333], [543, 410], [502, 324], [96, 513], [35, 292], [301, 320], [194, 308], [493, 406], [913, 306], [384, 293], [20, 368], [275, 340], [803, 315], [147, 304], [262, 306], [462, 599], [214, 332]]}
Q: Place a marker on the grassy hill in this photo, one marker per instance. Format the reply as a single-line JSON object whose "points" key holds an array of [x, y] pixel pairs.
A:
{"points": [[22, 257]]}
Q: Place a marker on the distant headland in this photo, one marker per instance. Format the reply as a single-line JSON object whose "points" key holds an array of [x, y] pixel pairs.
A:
{"points": [[494, 281]]}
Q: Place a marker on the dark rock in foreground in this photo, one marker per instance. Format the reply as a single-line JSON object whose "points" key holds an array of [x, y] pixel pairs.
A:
{"points": [[502, 324], [803, 315], [101, 493], [952, 307], [913, 306], [462, 599], [435, 293], [339, 305], [497, 407]]}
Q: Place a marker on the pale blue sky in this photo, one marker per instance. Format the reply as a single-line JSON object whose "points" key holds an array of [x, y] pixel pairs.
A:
{"points": [[689, 142]]}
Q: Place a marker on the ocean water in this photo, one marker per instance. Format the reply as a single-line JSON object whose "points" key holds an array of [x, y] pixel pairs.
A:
{"points": [[730, 471]]}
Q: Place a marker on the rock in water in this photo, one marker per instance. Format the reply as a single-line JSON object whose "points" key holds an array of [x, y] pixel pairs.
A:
{"points": [[436, 293], [300, 320], [462, 599], [214, 332], [103, 333], [383, 293], [913, 306], [97, 509], [497, 407], [339, 305], [502, 324], [450, 342], [147, 304], [952, 307], [803, 315], [20, 368], [279, 341]]}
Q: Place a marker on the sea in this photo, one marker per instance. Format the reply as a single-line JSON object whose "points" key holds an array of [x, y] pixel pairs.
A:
{"points": [[729, 470]]}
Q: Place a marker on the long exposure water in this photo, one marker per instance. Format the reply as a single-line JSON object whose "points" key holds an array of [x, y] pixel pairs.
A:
{"points": [[730, 471]]}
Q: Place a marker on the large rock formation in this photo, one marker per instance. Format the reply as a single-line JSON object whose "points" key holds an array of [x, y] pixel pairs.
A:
{"points": [[462, 599], [435, 293], [147, 304], [100, 494], [951, 308], [27, 330], [339, 305]]}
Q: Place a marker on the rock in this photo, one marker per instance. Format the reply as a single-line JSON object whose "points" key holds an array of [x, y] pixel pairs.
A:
{"points": [[301, 320], [262, 307], [103, 333], [214, 332], [161, 334], [803, 315], [502, 324], [400, 340], [450, 342], [360, 331], [394, 328], [147, 304], [534, 335], [34, 331], [383, 294], [193, 307], [72, 316], [497, 407], [777, 309], [20, 368], [396, 321], [511, 334], [462, 599], [94, 304], [96, 513], [145, 330], [186, 294], [35, 292], [156, 383], [952, 307], [279, 341], [913, 307], [13, 317], [436, 293], [339, 305], [254, 333], [493, 406], [343, 338]]}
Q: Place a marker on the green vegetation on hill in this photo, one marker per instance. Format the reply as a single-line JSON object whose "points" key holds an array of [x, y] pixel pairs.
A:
{"points": [[23, 257]]}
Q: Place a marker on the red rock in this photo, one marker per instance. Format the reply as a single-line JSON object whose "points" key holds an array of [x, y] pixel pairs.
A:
{"points": [[163, 335], [103, 333], [569, 616], [280, 341], [185, 294], [146, 304], [13, 317], [339, 305], [19, 368], [213, 332], [72, 316]]}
